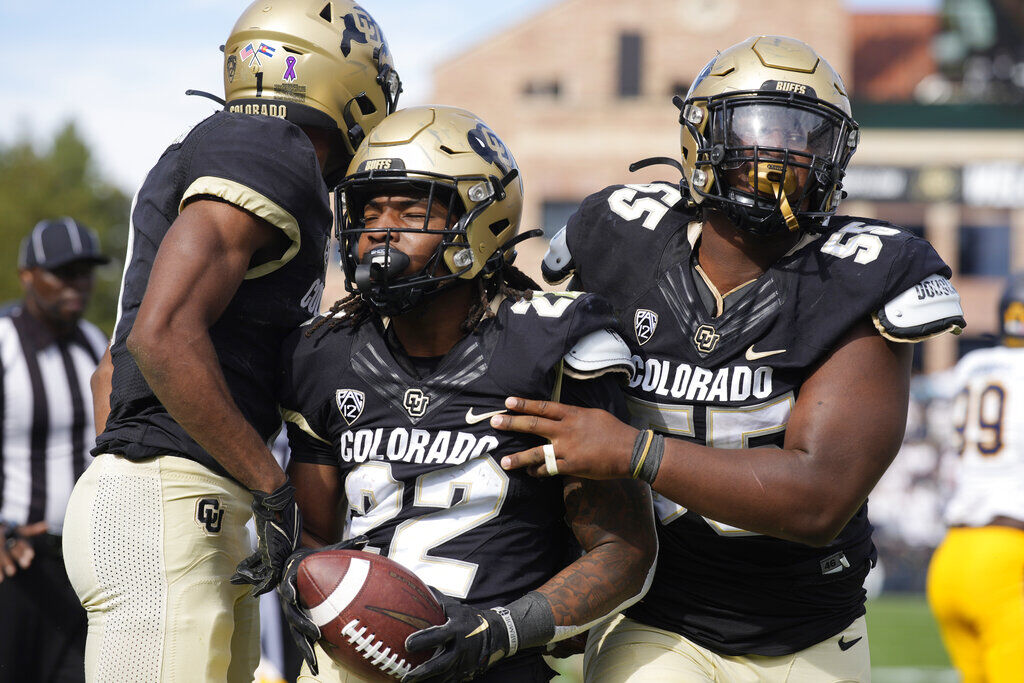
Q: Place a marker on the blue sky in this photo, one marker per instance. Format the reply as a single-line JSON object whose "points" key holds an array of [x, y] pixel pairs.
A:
{"points": [[119, 69]]}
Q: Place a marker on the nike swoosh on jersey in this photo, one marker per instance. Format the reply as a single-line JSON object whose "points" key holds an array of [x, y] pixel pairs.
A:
{"points": [[755, 355], [845, 645], [472, 419]]}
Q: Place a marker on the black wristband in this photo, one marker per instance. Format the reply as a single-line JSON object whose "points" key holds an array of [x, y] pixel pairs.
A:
{"points": [[648, 450], [533, 618]]}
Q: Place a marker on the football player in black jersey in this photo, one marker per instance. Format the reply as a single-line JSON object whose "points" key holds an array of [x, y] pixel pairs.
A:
{"points": [[226, 255], [770, 342], [387, 398]]}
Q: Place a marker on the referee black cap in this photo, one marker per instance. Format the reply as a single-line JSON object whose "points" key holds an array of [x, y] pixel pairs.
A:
{"points": [[58, 242]]}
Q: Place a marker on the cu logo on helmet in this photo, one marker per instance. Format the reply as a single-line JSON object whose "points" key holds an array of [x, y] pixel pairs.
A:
{"points": [[706, 338], [489, 146], [360, 28], [415, 402], [209, 515], [368, 24]]}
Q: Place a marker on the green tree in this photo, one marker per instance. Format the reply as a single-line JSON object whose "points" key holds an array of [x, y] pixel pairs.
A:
{"points": [[61, 181]]}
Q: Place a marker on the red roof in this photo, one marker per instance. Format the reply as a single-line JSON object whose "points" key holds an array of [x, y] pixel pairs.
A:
{"points": [[891, 54]]}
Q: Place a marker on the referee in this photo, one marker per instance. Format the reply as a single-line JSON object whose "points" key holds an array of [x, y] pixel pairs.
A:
{"points": [[47, 354]]}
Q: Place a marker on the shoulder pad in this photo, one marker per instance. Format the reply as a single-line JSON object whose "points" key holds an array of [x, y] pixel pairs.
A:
{"points": [[557, 329], [620, 227], [277, 180], [926, 310], [557, 264], [596, 353]]}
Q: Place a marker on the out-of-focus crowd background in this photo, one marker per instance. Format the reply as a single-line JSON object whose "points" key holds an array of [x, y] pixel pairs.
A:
{"points": [[907, 504], [578, 89]]}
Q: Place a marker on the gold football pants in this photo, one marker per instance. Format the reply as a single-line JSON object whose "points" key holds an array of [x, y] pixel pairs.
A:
{"points": [[625, 651], [149, 547], [976, 591]]}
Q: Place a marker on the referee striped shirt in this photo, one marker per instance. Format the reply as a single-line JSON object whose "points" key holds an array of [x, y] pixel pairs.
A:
{"points": [[45, 415]]}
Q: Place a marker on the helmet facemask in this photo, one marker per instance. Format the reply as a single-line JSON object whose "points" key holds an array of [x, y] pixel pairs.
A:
{"points": [[777, 161], [380, 277]]}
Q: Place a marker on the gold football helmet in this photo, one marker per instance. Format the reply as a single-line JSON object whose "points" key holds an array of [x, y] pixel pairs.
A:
{"points": [[322, 63], [1011, 311], [767, 134], [452, 156]]}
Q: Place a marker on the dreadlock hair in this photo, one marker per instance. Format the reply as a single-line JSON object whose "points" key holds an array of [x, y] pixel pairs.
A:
{"points": [[511, 282], [353, 311]]}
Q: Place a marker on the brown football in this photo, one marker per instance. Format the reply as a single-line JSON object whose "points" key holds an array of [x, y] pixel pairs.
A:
{"points": [[366, 606]]}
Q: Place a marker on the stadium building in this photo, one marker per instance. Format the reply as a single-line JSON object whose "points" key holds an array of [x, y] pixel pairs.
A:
{"points": [[583, 88]]}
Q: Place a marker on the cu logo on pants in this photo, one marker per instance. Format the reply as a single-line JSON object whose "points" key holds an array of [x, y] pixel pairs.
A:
{"points": [[209, 514]]}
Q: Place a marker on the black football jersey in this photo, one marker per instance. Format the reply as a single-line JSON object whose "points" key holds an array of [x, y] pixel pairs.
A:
{"points": [[730, 381], [267, 167], [419, 458]]}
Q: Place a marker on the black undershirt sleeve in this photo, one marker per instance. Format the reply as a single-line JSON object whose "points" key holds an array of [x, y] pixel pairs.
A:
{"points": [[603, 392], [305, 448]]}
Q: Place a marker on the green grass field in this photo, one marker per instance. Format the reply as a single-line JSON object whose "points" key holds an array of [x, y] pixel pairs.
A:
{"points": [[905, 644], [902, 632]]}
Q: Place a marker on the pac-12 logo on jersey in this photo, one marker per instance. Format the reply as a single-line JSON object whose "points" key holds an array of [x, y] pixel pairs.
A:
{"points": [[415, 402], [644, 323], [350, 404]]}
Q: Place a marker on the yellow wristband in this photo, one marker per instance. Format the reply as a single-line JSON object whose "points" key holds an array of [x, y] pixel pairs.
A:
{"points": [[643, 455]]}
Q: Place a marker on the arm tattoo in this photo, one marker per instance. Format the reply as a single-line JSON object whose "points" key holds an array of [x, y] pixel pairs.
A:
{"points": [[613, 521]]}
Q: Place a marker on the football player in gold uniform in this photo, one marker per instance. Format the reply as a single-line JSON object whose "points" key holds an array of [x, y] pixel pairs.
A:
{"points": [[227, 254], [772, 346], [387, 399]]}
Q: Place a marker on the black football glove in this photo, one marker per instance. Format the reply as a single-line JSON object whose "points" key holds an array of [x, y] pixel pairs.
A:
{"points": [[278, 529], [304, 631], [472, 640]]}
